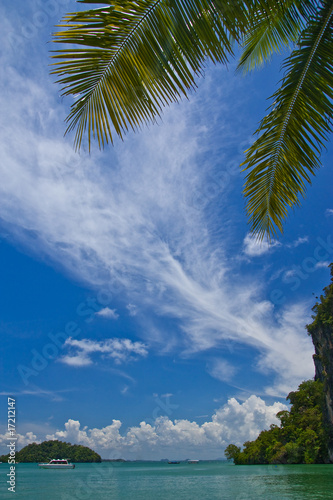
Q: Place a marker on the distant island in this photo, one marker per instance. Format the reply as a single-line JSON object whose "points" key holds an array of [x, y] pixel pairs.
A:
{"points": [[47, 450], [113, 460]]}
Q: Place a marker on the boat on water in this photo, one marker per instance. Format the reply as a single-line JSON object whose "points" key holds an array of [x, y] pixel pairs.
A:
{"points": [[58, 463], [193, 461], [173, 462]]}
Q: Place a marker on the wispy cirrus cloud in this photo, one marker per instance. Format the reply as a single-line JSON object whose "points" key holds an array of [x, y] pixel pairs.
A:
{"points": [[34, 390], [120, 350], [222, 370], [131, 215], [322, 264], [132, 309], [298, 241]]}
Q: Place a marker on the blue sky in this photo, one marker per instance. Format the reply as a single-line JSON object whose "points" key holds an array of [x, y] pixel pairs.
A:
{"points": [[138, 316]]}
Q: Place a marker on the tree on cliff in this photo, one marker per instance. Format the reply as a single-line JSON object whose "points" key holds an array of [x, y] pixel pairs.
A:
{"points": [[136, 56]]}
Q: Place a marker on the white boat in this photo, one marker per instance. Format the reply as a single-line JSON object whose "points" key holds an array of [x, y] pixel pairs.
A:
{"points": [[193, 461], [58, 464]]}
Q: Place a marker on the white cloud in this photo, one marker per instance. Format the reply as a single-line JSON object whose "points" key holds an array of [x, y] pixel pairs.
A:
{"points": [[232, 423], [41, 393], [21, 441], [289, 273], [221, 370], [108, 436], [298, 242], [120, 350], [322, 263], [254, 248], [106, 312], [329, 211], [316, 265], [132, 309], [78, 360]]}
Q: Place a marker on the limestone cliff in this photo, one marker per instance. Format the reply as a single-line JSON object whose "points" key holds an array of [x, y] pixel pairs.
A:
{"points": [[321, 331]]}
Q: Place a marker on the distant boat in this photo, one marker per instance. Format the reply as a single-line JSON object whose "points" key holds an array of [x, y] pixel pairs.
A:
{"points": [[193, 461], [58, 464], [173, 462]]}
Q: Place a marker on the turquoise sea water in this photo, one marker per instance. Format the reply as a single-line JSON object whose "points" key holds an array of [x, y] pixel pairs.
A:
{"points": [[153, 481]]}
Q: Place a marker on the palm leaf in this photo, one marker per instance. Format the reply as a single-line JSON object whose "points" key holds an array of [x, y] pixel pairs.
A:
{"points": [[273, 27], [283, 159], [128, 59]]}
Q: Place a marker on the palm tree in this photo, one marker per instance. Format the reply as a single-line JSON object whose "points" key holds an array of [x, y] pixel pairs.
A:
{"points": [[126, 60]]}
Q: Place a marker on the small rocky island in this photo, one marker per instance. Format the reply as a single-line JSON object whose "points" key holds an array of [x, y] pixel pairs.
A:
{"points": [[47, 450]]}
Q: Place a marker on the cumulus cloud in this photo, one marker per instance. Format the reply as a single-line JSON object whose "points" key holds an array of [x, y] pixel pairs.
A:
{"points": [[107, 437], [232, 423], [78, 360], [254, 248], [21, 441], [106, 312], [120, 350]]}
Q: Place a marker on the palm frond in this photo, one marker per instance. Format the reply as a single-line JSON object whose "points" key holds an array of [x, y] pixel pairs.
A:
{"points": [[273, 26], [128, 59], [283, 159]]}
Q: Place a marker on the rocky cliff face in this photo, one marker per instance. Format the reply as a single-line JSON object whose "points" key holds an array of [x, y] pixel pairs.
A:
{"points": [[321, 331]]}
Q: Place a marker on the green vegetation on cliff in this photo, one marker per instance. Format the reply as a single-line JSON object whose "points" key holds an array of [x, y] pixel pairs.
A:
{"points": [[321, 331], [47, 450], [300, 439], [324, 309]]}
